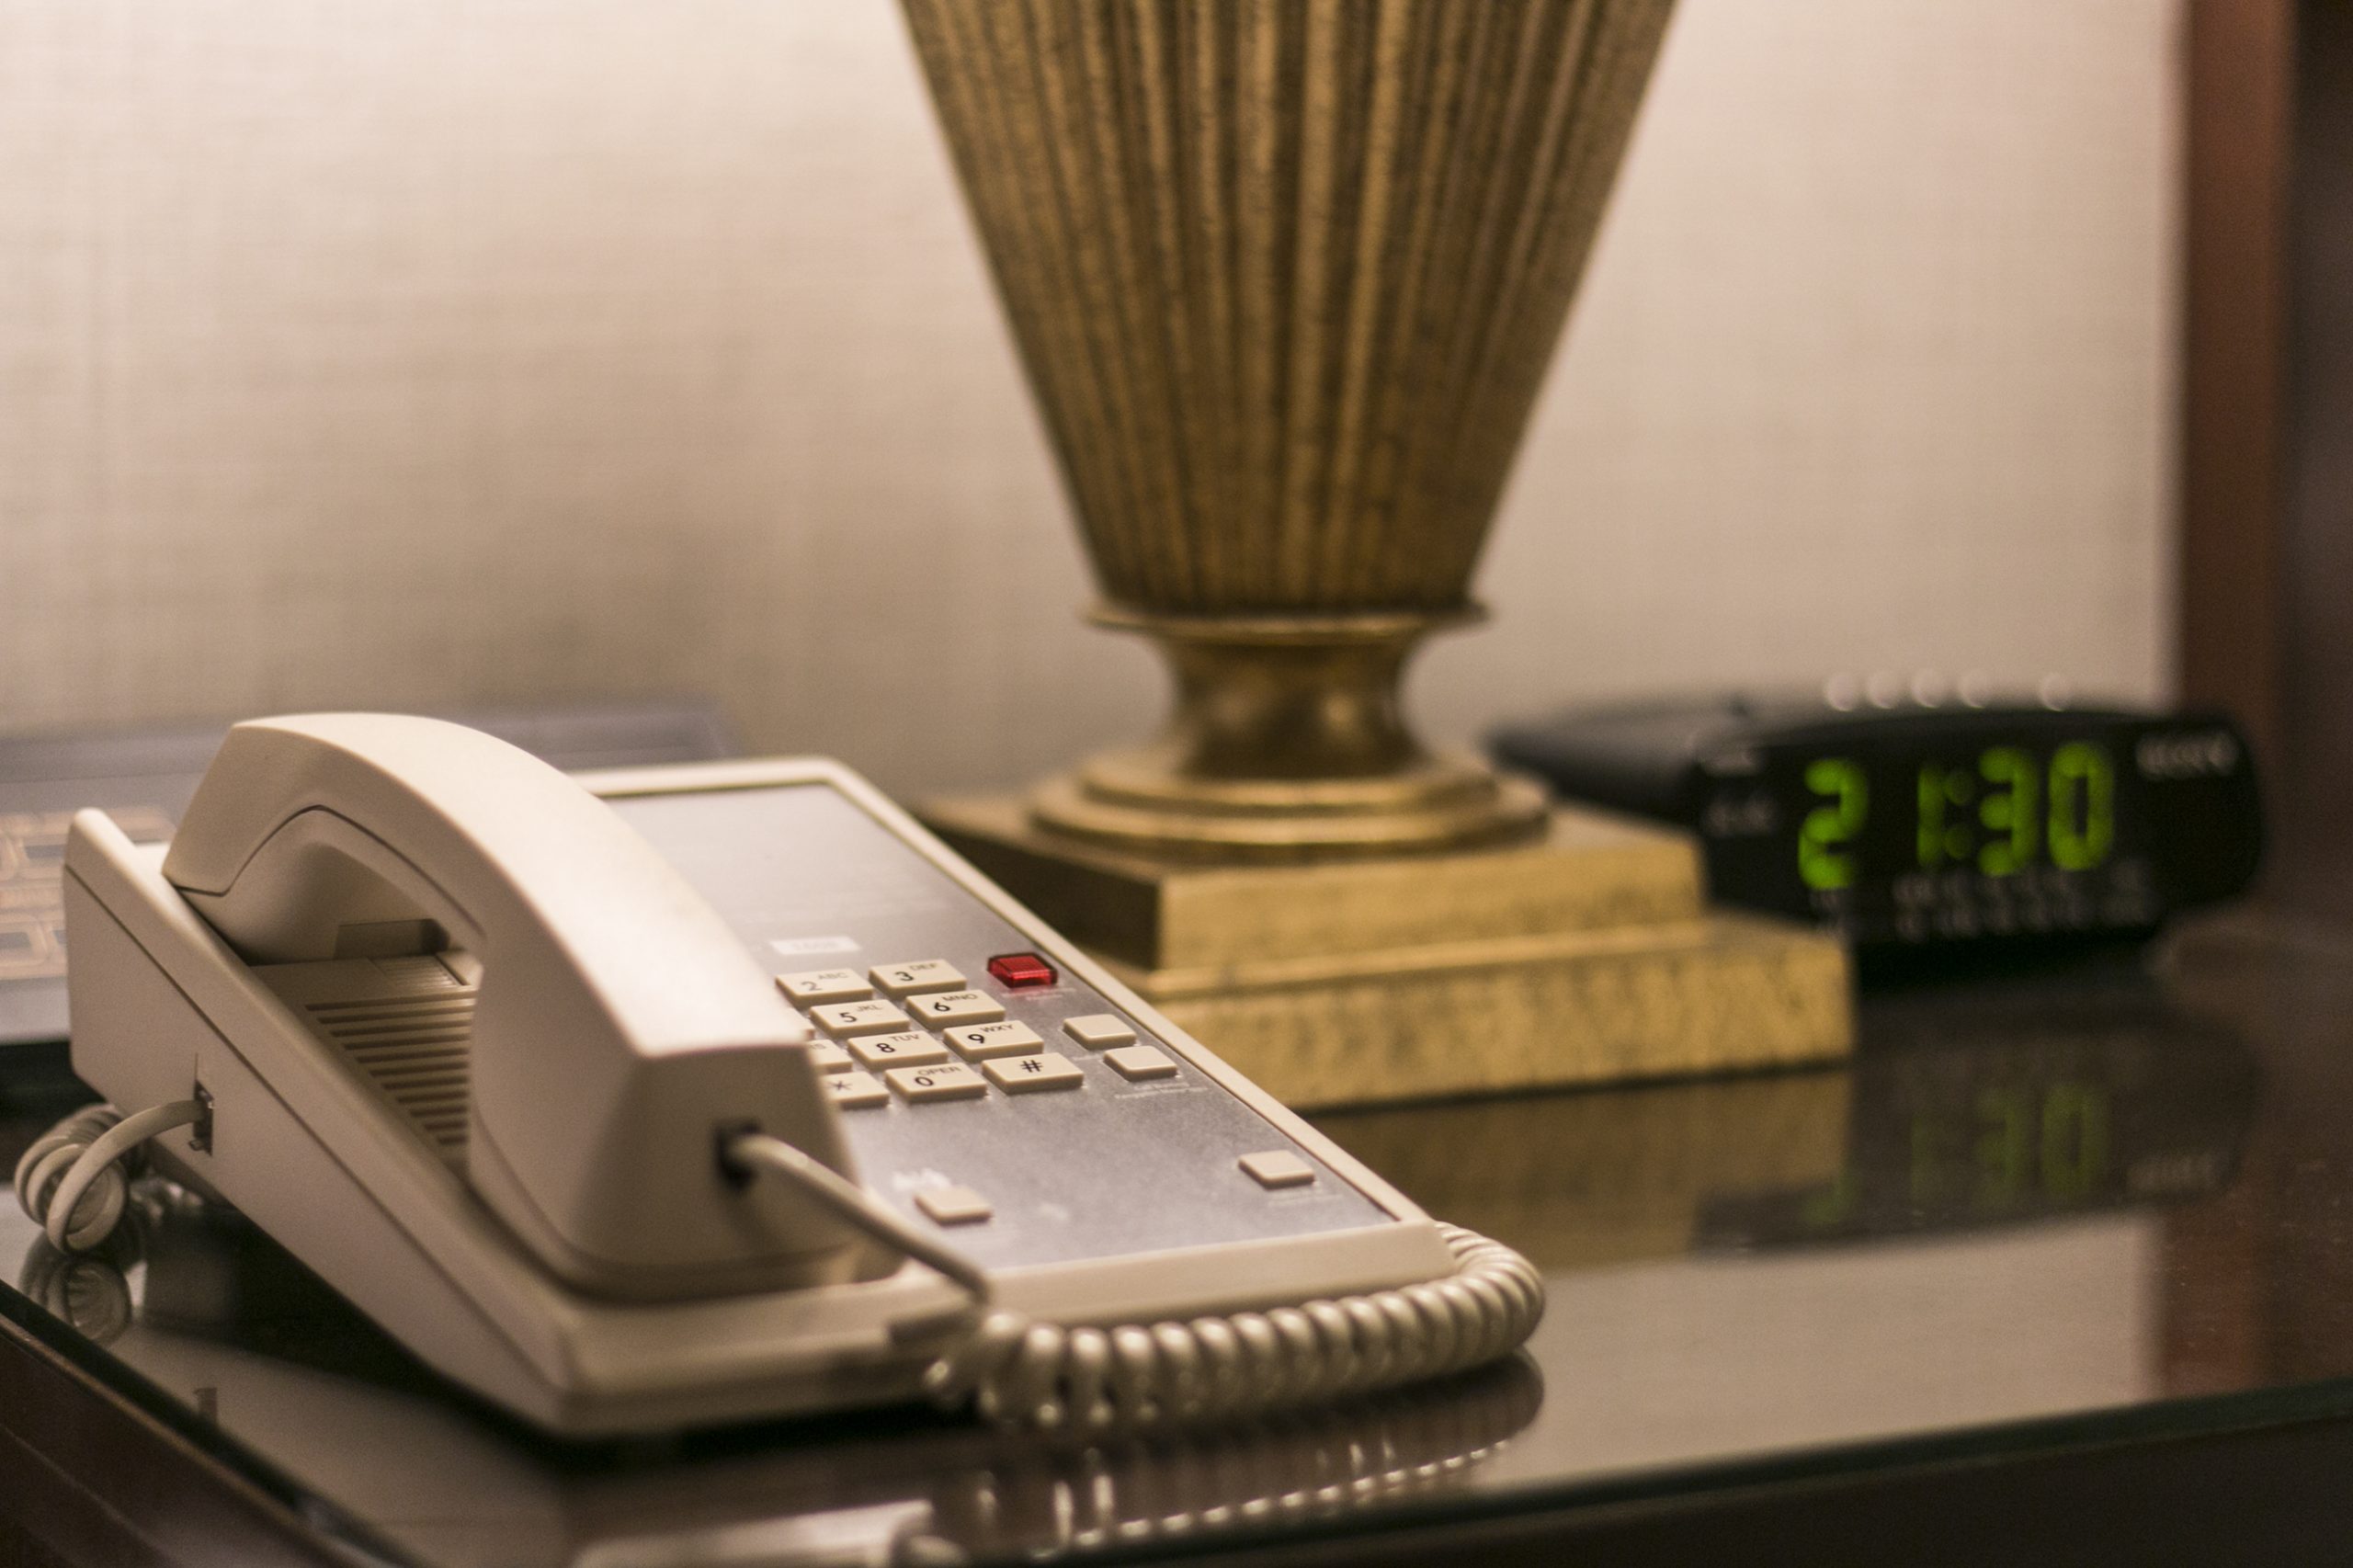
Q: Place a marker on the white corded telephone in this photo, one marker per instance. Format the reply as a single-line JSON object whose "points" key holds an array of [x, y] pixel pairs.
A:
{"points": [[527, 1070]]}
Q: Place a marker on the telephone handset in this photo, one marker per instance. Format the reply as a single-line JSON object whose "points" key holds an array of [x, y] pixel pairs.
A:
{"points": [[710, 1092]]}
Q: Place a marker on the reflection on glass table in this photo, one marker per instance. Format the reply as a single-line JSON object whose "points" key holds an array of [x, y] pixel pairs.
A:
{"points": [[2096, 1204]]}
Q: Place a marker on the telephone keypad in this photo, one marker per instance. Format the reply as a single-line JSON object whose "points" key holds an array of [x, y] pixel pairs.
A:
{"points": [[857, 1091], [1030, 1074], [950, 1080], [958, 1007], [917, 976], [843, 1019], [978, 1043], [816, 985], [911, 1049]]}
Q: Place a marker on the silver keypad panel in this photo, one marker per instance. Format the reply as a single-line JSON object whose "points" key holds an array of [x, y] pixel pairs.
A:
{"points": [[950, 1080]]}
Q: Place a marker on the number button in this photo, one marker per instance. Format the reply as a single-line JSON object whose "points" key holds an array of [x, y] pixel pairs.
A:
{"points": [[844, 1020], [918, 975], [857, 1091], [912, 1048], [829, 1058], [1030, 1074], [958, 1007], [824, 985], [978, 1043], [950, 1080]]}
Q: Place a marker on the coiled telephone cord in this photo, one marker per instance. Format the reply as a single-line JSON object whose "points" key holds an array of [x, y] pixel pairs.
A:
{"points": [[76, 1179], [1015, 1371]]}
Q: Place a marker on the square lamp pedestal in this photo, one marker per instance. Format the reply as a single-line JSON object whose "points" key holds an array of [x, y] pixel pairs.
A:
{"points": [[1589, 956]]}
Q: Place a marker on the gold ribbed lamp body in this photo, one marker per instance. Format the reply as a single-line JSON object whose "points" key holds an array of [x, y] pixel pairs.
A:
{"points": [[1286, 276]]}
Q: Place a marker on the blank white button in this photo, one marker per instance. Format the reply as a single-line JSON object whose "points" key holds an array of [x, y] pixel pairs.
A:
{"points": [[844, 1020], [957, 1007], [953, 1204], [1029, 1075], [857, 1091], [1098, 1029], [1140, 1062], [921, 975], [824, 985], [948, 1081], [981, 1041], [911, 1047], [1279, 1169], [829, 1058]]}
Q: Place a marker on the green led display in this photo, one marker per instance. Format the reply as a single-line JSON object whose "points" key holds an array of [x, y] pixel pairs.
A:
{"points": [[1821, 860], [2082, 806], [2006, 811]]}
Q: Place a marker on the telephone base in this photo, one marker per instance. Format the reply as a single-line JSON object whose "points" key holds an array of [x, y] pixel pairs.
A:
{"points": [[1588, 957]]}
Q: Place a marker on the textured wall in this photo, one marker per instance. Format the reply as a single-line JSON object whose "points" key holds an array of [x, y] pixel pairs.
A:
{"points": [[443, 352]]}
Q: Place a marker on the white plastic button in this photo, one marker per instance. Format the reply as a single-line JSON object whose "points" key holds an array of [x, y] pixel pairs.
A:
{"points": [[1030, 1074], [844, 1020], [1098, 1029], [957, 1007], [911, 1047], [1140, 1062], [948, 1081], [953, 1204], [829, 1058], [1279, 1168], [918, 975], [857, 1091], [980, 1042], [824, 985]]}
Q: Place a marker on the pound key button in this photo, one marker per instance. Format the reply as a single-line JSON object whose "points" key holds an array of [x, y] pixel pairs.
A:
{"points": [[1029, 1075]]}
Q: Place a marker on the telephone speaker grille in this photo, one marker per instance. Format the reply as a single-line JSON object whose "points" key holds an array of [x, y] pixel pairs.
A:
{"points": [[417, 1053]]}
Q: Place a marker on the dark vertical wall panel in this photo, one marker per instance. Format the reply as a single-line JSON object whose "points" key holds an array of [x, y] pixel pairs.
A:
{"points": [[2315, 789], [2239, 58]]}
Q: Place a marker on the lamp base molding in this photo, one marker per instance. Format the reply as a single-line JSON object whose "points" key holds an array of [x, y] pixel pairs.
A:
{"points": [[1588, 956]]}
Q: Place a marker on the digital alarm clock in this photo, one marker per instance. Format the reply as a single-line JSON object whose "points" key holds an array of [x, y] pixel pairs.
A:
{"points": [[1914, 825]]}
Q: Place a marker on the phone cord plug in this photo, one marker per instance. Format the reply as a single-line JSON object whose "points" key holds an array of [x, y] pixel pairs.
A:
{"points": [[76, 1179], [1020, 1373]]}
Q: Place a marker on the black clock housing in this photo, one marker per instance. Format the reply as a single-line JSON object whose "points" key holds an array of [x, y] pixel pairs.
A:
{"points": [[1922, 826]]}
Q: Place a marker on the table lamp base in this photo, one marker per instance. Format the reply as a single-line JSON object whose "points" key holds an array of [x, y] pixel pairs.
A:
{"points": [[1586, 956]]}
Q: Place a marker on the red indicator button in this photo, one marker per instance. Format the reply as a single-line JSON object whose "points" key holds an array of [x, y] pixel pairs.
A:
{"points": [[1020, 972]]}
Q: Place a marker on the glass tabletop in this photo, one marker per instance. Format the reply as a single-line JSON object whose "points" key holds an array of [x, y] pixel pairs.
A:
{"points": [[2097, 1204]]}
